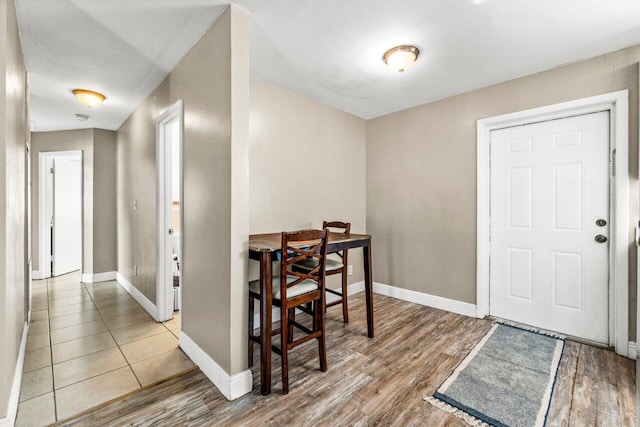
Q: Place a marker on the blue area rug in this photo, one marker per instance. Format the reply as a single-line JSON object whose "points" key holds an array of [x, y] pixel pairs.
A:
{"points": [[506, 380]]}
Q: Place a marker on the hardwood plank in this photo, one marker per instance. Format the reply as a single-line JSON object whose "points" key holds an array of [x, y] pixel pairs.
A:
{"points": [[560, 408], [594, 403], [408, 406], [597, 364], [626, 380], [378, 382]]}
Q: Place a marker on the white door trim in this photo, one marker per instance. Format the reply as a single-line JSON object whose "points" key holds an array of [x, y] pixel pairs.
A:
{"points": [[164, 292], [44, 235], [617, 103], [637, 244]]}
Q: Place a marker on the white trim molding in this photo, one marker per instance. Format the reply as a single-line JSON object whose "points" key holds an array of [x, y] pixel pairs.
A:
{"points": [[99, 277], [617, 103], [434, 301], [14, 397], [231, 386], [633, 350], [36, 275], [138, 296], [355, 288]]}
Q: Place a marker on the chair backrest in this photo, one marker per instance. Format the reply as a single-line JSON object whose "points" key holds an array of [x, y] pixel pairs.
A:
{"points": [[338, 225], [346, 226], [299, 245]]}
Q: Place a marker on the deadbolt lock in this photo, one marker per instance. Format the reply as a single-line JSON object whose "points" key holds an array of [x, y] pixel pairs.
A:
{"points": [[601, 223]]}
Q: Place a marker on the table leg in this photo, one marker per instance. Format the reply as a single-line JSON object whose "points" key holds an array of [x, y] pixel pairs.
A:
{"points": [[265, 322], [368, 287]]}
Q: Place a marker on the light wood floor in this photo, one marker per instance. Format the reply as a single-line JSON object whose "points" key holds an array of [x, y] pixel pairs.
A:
{"points": [[380, 381]]}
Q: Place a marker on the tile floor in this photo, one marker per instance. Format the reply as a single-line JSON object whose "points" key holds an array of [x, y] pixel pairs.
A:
{"points": [[88, 344]]}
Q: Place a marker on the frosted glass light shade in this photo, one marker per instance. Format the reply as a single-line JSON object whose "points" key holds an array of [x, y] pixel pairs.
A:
{"points": [[88, 98], [400, 58]]}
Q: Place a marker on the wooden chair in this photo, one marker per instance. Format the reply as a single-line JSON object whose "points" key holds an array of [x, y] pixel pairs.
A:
{"points": [[334, 266], [300, 290]]}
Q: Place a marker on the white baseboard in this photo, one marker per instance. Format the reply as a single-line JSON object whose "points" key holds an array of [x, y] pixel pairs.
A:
{"points": [[12, 409], [355, 288], [275, 317], [459, 307], [231, 386], [99, 277], [138, 296], [633, 350], [36, 275]]}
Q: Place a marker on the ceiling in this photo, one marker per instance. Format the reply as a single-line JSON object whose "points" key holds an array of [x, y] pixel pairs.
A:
{"points": [[329, 50]]}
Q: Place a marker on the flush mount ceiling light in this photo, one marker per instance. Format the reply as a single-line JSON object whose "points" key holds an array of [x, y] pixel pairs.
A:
{"points": [[88, 97], [401, 57]]}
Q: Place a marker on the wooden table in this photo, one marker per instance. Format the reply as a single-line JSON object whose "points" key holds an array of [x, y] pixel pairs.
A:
{"points": [[263, 247]]}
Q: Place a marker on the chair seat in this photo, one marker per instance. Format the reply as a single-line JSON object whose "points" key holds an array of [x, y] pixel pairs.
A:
{"points": [[311, 263], [301, 288]]}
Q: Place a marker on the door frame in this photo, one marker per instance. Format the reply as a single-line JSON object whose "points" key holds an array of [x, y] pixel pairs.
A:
{"points": [[164, 292], [617, 103], [44, 192]]}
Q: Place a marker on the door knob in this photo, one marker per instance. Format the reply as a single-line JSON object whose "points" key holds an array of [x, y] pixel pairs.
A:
{"points": [[601, 223], [600, 238]]}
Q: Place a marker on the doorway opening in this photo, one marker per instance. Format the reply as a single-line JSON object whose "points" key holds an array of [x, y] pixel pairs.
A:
{"points": [[550, 225], [60, 213], [616, 106], [169, 212]]}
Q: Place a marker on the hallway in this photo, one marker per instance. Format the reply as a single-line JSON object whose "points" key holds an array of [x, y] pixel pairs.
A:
{"points": [[88, 344]]}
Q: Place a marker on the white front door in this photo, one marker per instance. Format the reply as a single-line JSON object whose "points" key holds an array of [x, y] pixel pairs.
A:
{"points": [[549, 204], [67, 214]]}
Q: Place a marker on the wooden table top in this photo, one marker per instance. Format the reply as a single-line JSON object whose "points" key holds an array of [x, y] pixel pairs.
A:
{"points": [[272, 242]]}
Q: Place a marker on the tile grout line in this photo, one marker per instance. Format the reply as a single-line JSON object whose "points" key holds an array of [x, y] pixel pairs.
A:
{"points": [[112, 337], [89, 354], [53, 377], [50, 287], [83, 323]]}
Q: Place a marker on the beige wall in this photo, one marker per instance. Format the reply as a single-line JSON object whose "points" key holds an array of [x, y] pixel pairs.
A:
{"points": [[421, 180], [12, 199], [307, 164], [136, 154], [214, 265], [104, 201], [99, 187]]}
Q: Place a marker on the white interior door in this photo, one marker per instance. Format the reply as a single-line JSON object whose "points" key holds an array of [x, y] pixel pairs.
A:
{"points": [[549, 201], [67, 214], [176, 208], [169, 210], [171, 205]]}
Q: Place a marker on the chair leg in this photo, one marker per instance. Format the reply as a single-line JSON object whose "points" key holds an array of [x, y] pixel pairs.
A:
{"points": [[319, 324], [345, 297], [284, 345], [314, 317], [292, 317], [250, 353]]}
